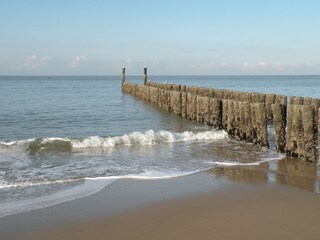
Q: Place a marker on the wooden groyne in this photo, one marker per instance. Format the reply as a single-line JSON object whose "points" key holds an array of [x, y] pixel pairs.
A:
{"points": [[243, 115]]}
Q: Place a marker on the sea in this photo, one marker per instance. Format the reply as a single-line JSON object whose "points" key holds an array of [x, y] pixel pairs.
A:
{"points": [[67, 137]]}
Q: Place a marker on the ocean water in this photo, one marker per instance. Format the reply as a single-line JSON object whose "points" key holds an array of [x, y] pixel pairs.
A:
{"points": [[63, 138]]}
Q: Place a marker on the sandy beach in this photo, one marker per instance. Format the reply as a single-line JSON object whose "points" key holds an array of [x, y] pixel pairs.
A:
{"points": [[169, 120], [224, 203], [249, 212]]}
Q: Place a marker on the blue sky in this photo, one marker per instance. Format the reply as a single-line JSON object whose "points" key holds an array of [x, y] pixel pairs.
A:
{"points": [[83, 37]]}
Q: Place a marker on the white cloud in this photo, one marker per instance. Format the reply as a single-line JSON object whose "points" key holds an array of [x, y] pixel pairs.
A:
{"points": [[261, 65], [77, 61], [210, 66], [278, 66], [32, 62], [128, 63], [156, 61]]}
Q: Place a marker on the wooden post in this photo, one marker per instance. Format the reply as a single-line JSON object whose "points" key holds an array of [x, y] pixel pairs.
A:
{"points": [[309, 134], [298, 130], [281, 99], [215, 113], [248, 122], [183, 88], [237, 123], [242, 126], [145, 75], [270, 99], [231, 119], [294, 100], [123, 74], [184, 104], [176, 102], [203, 109], [261, 121], [254, 131], [295, 138], [318, 134], [289, 145], [279, 112], [192, 106], [154, 95], [224, 114]]}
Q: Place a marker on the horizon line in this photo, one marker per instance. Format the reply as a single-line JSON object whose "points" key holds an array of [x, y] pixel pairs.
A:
{"points": [[133, 75]]}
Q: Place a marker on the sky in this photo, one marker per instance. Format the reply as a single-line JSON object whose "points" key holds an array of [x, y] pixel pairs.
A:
{"points": [[170, 37]]}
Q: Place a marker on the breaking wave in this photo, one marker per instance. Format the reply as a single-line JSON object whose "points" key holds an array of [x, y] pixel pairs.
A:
{"points": [[150, 137]]}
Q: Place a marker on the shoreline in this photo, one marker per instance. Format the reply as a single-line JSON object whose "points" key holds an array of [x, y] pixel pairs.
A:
{"points": [[117, 198], [286, 184]]}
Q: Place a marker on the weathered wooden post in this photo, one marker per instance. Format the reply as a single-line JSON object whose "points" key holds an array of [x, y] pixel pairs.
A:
{"points": [[215, 113], [294, 100], [248, 122], [309, 134], [203, 109], [192, 106], [160, 102], [176, 102], [224, 114], [242, 127], [279, 112], [183, 88], [123, 74], [281, 99], [270, 99], [184, 104], [261, 124], [231, 119], [254, 130], [145, 75], [298, 130], [164, 96], [289, 145], [316, 103], [154, 95], [318, 134], [295, 135], [237, 117]]}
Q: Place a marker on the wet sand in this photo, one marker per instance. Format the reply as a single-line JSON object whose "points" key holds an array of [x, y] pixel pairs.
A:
{"points": [[226, 203], [255, 212]]}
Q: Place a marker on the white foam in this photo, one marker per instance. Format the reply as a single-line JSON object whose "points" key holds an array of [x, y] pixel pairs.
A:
{"points": [[82, 190], [52, 139], [88, 187], [148, 138], [230, 164], [148, 175], [33, 184], [19, 144]]}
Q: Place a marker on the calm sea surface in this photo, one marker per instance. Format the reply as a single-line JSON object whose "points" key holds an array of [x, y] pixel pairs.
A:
{"points": [[63, 138]]}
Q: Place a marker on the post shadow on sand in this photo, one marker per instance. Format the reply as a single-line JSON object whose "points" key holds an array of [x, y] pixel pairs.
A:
{"points": [[290, 171], [298, 173]]}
